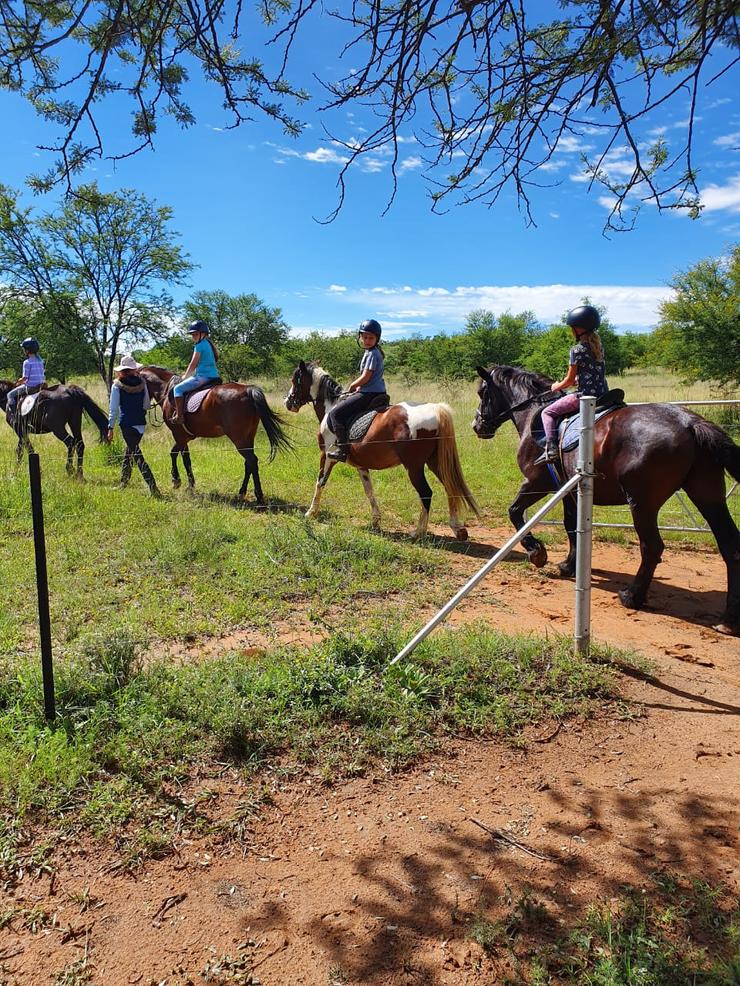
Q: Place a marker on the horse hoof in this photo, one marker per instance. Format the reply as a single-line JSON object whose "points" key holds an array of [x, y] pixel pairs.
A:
{"points": [[727, 630], [461, 534], [538, 556], [176, 484], [567, 569], [629, 600]]}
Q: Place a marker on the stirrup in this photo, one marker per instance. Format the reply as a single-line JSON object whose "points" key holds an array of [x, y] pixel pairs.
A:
{"points": [[549, 456], [338, 454]]}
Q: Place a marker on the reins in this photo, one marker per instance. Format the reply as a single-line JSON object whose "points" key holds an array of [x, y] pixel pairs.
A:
{"points": [[535, 398]]}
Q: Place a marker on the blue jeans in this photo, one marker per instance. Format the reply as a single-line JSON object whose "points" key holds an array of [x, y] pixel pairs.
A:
{"points": [[189, 385], [14, 396]]}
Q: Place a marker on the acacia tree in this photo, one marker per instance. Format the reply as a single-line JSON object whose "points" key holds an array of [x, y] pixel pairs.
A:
{"points": [[699, 331], [104, 259], [490, 89]]}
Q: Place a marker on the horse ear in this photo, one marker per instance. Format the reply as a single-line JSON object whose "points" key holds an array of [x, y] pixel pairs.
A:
{"points": [[482, 372], [302, 366]]}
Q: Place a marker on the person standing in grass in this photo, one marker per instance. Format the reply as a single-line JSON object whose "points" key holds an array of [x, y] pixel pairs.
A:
{"points": [[129, 399]]}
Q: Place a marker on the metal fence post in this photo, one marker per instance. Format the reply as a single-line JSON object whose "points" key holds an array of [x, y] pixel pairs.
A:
{"points": [[584, 469], [42, 585]]}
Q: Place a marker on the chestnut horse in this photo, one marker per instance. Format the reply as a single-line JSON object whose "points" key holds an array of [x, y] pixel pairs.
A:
{"points": [[231, 409], [408, 435], [642, 456], [57, 408]]}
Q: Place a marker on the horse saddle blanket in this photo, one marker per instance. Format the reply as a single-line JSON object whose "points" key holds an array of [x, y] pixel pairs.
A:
{"points": [[569, 430], [28, 403], [195, 399], [360, 426]]}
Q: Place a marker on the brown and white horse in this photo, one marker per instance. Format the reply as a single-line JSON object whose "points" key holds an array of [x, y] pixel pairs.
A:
{"points": [[408, 435]]}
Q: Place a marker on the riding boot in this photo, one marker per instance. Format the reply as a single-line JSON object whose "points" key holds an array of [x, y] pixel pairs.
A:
{"points": [[179, 414], [551, 453], [125, 474], [341, 450], [150, 480]]}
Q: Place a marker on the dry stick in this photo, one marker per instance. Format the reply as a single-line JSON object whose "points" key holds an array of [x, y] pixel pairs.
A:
{"points": [[167, 904], [503, 837]]}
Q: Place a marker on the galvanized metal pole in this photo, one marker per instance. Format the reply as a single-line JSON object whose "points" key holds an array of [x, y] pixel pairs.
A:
{"points": [[42, 585], [584, 471], [499, 556]]}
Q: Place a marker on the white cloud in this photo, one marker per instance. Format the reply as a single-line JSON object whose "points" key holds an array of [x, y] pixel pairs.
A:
{"points": [[410, 163], [719, 102], [728, 140], [325, 155], [570, 144], [554, 215], [715, 198], [337, 288], [440, 308]]}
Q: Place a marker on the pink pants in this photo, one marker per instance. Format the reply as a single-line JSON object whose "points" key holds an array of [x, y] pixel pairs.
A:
{"points": [[557, 410]]}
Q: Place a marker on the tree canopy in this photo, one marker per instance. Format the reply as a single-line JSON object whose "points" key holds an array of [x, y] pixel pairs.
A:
{"points": [[491, 91], [98, 267]]}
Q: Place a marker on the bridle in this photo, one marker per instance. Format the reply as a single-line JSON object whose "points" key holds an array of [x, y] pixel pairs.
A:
{"points": [[508, 413]]}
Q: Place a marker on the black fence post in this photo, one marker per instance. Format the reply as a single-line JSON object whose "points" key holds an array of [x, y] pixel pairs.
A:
{"points": [[42, 585]]}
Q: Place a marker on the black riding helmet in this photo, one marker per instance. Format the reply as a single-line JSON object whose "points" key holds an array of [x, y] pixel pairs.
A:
{"points": [[200, 326], [30, 345], [585, 317], [370, 325]]}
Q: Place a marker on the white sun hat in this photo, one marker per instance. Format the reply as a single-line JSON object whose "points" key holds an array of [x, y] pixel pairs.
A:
{"points": [[127, 363]]}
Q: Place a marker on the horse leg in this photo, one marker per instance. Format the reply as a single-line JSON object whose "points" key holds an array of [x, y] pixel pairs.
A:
{"points": [[422, 487], [707, 493], [645, 519], [527, 495], [69, 442], [367, 485], [458, 528], [185, 452], [259, 495], [567, 568], [325, 467], [251, 468], [175, 472]]}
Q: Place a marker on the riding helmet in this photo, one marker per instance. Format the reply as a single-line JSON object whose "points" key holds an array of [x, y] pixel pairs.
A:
{"points": [[200, 326], [370, 325], [585, 317], [30, 345]]}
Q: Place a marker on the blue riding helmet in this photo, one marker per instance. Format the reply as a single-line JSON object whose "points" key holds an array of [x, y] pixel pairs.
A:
{"points": [[200, 326], [585, 317], [30, 345], [370, 325]]}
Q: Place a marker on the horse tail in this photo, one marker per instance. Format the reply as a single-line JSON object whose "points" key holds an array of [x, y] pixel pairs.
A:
{"points": [[719, 445], [450, 470], [96, 414], [271, 422]]}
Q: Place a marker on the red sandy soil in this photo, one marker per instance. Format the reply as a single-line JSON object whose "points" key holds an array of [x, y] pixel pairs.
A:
{"points": [[371, 881]]}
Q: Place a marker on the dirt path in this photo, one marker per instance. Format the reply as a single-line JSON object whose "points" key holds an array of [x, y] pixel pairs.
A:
{"points": [[371, 882]]}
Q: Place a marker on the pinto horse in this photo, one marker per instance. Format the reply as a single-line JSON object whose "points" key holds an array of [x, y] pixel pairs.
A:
{"points": [[408, 435], [57, 408], [231, 409], [642, 456]]}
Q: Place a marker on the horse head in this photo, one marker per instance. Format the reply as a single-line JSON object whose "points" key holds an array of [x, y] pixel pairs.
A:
{"points": [[5, 387], [504, 389], [157, 381], [301, 385]]}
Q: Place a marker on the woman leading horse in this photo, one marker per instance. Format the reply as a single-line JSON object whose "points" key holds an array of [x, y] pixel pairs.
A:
{"points": [[642, 456]]}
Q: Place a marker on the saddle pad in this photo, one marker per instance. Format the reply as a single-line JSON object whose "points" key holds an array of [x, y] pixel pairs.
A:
{"points": [[27, 403], [569, 430], [195, 399], [359, 427]]}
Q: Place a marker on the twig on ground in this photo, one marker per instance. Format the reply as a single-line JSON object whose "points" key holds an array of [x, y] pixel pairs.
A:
{"points": [[504, 837]]}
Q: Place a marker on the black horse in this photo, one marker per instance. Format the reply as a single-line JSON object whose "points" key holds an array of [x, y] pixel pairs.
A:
{"points": [[57, 408], [642, 456]]}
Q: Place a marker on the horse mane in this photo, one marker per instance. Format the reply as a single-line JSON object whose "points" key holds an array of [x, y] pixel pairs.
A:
{"points": [[331, 386], [520, 383]]}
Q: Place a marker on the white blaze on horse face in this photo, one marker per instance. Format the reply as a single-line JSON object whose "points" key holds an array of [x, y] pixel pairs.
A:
{"points": [[420, 417]]}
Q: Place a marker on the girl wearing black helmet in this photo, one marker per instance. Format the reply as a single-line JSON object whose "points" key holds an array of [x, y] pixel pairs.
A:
{"points": [[364, 390], [201, 370], [32, 379], [586, 370]]}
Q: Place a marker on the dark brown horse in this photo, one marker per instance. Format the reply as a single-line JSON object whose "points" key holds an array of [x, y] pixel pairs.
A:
{"points": [[231, 409], [57, 408], [642, 456], [408, 435]]}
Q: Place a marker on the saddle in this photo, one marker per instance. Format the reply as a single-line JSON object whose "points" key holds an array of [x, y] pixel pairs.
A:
{"points": [[359, 426], [569, 431], [194, 399], [29, 401]]}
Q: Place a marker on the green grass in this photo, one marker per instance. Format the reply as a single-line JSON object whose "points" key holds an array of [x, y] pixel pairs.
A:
{"points": [[671, 931], [129, 738]]}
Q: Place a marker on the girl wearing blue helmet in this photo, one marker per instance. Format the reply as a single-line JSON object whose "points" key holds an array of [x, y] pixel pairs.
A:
{"points": [[202, 368], [32, 379]]}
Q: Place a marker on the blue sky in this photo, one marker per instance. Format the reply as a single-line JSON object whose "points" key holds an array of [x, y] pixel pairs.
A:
{"points": [[246, 202]]}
